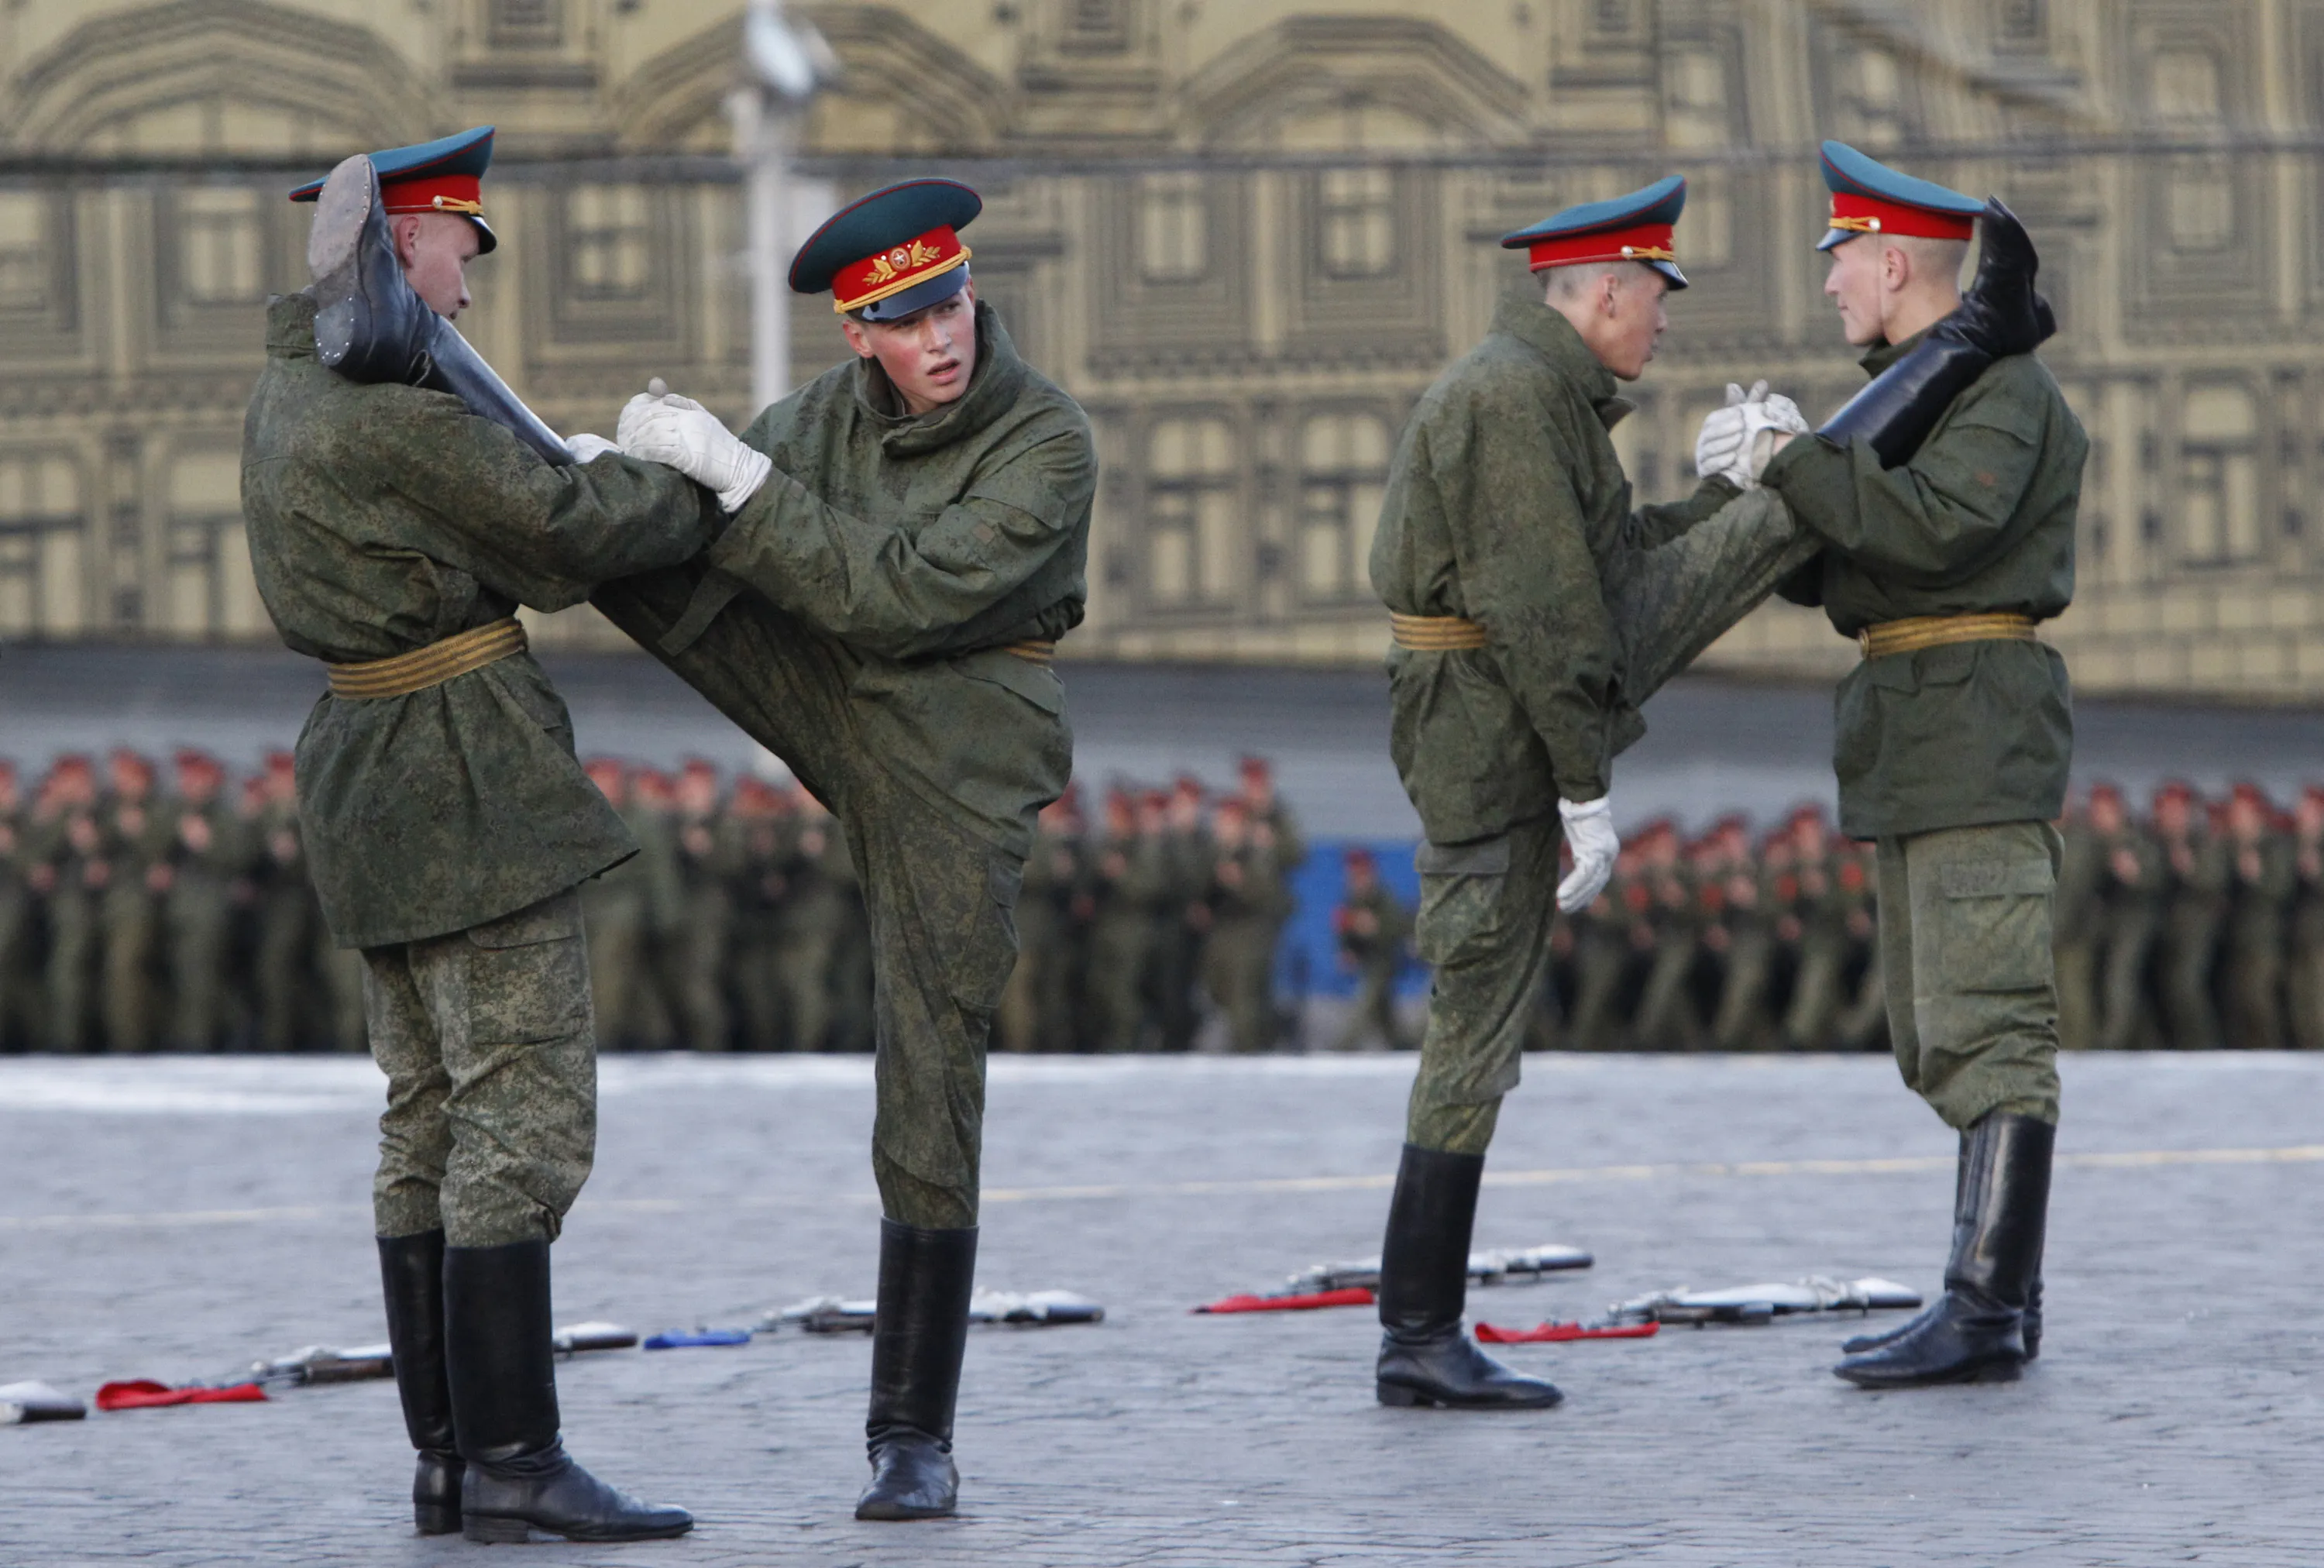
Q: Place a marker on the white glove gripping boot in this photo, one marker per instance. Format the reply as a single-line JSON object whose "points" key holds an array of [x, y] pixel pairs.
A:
{"points": [[1589, 830], [683, 434], [1721, 440]]}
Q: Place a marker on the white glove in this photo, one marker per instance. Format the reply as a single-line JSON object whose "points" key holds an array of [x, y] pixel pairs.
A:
{"points": [[1721, 440], [588, 448], [688, 437], [1589, 830], [1764, 418]]}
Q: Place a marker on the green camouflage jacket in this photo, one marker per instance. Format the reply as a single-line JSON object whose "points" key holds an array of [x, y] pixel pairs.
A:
{"points": [[1504, 500], [385, 518], [1981, 519]]}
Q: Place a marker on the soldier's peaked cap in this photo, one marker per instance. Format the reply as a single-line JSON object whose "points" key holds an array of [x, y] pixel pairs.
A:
{"points": [[446, 175], [1868, 197], [891, 253], [1637, 228]]}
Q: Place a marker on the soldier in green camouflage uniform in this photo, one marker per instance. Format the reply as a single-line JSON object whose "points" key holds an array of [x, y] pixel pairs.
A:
{"points": [[205, 855], [908, 539], [447, 824], [1535, 607], [708, 859], [1127, 872], [69, 871], [19, 985], [1954, 732], [2195, 879], [1247, 901], [2128, 915], [1373, 926], [137, 837], [2304, 984], [2260, 862]]}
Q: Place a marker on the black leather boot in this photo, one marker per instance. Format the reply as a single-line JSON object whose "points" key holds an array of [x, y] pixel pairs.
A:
{"points": [[503, 1379], [1857, 1344], [1426, 1358], [411, 1278], [1976, 1330], [370, 327], [919, 1336]]}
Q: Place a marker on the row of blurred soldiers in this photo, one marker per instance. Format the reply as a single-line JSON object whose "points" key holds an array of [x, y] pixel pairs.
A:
{"points": [[137, 919], [2201, 929]]}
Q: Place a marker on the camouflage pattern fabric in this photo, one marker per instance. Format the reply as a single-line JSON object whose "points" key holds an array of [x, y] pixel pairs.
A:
{"points": [[385, 518], [887, 560], [1965, 944], [490, 1056], [1980, 519]]}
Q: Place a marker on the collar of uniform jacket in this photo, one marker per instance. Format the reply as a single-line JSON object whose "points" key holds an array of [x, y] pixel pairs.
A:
{"points": [[1549, 335], [1881, 356], [290, 326], [993, 389]]}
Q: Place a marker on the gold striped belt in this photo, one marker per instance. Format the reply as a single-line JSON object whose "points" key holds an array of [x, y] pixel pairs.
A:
{"points": [[1033, 650], [432, 665], [1434, 634], [1910, 636]]}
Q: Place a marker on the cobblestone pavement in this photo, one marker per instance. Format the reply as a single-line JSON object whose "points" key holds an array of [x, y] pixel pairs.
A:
{"points": [[175, 1218]]}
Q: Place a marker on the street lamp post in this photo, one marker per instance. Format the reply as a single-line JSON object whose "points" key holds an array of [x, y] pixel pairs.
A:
{"points": [[785, 63]]}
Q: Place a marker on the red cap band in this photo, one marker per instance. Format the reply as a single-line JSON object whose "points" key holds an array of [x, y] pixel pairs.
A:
{"points": [[896, 269], [1648, 242], [1870, 215], [433, 193]]}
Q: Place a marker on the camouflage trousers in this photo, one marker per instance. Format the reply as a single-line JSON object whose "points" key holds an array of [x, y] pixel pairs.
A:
{"points": [[936, 771], [490, 1050], [1486, 907], [1965, 950]]}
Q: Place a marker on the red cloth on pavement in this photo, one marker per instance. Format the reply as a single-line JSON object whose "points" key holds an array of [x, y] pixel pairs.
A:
{"points": [[145, 1394], [1355, 1296]]}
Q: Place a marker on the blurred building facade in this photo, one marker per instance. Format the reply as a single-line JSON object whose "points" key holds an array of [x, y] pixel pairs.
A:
{"points": [[1245, 235]]}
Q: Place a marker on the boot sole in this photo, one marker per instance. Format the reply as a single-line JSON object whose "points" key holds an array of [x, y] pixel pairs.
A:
{"points": [[899, 1513], [2002, 1371], [1403, 1397], [431, 1519], [340, 210], [497, 1530]]}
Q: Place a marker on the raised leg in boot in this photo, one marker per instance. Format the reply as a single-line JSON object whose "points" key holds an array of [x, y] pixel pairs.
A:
{"points": [[918, 1337], [411, 1278], [1976, 1331], [520, 1480], [1425, 1356]]}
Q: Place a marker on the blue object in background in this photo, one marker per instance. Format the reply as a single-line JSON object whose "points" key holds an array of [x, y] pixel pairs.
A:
{"points": [[687, 1338], [1307, 964]]}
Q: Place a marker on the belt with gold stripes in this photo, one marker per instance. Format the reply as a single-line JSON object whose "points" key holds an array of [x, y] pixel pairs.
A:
{"points": [[1033, 650], [433, 665], [1910, 636], [1434, 634]]}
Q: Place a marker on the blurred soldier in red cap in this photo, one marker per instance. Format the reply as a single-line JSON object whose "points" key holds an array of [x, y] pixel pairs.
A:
{"points": [[1247, 901], [1128, 883], [707, 856], [2258, 922], [1374, 930], [69, 869], [19, 982], [137, 837], [2196, 874], [204, 857], [2130, 911]]}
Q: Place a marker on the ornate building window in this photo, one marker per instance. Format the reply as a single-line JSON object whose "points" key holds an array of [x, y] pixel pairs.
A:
{"points": [[1197, 554], [526, 23], [1174, 231], [1097, 26], [2024, 23], [2219, 476], [1355, 211], [206, 588], [221, 245], [1695, 113], [24, 259], [1343, 475], [2198, 197], [41, 528], [1869, 96], [609, 241]]}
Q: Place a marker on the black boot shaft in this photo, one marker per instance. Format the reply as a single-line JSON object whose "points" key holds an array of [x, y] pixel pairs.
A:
{"points": [[412, 1283], [501, 1355], [920, 1333], [1998, 1243], [1425, 1255]]}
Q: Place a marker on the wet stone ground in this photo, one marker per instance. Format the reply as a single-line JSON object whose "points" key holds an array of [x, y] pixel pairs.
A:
{"points": [[175, 1219]]}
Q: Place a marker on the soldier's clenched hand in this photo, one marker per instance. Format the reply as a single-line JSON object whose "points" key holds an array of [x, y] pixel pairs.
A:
{"points": [[1721, 438], [1589, 831], [688, 437]]}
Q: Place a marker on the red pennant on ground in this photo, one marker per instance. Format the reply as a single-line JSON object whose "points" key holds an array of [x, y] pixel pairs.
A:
{"points": [[145, 1394], [1558, 1333], [1355, 1296]]}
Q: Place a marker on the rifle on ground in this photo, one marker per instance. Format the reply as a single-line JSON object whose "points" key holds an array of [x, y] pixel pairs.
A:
{"points": [[1758, 1304], [22, 1404], [829, 1315], [1354, 1284]]}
